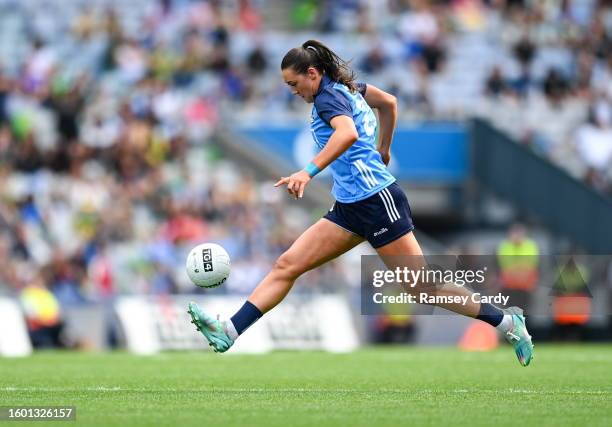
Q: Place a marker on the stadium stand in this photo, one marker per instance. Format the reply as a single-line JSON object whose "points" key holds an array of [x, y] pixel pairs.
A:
{"points": [[109, 157]]}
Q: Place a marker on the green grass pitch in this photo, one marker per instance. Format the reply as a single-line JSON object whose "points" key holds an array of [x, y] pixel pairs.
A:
{"points": [[407, 386]]}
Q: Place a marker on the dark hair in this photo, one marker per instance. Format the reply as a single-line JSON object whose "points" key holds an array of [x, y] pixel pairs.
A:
{"points": [[315, 54]]}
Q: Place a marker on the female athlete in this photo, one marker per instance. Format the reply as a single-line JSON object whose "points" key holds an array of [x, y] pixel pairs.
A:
{"points": [[369, 205]]}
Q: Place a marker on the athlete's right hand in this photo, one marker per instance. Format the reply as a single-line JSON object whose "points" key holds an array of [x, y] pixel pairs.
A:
{"points": [[385, 155], [296, 183]]}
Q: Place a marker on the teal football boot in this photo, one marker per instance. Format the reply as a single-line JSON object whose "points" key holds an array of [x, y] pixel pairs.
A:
{"points": [[519, 337], [211, 328]]}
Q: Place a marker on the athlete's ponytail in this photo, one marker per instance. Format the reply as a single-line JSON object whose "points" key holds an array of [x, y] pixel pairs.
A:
{"points": [[315, 54]]}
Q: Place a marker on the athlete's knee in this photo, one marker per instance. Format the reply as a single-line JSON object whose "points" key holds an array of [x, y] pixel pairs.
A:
{"points": [[289, 266]]}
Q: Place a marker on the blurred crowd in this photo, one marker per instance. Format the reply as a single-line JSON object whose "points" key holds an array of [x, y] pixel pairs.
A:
{"points": [[539, 69], [109, 168], [556, 97]]}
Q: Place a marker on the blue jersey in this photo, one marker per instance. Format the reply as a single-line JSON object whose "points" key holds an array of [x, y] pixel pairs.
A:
{"points": [[359, 172]]}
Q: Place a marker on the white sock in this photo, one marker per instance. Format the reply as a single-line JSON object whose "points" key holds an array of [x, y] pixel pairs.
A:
{"points": [[506, 323], [231, 331]]}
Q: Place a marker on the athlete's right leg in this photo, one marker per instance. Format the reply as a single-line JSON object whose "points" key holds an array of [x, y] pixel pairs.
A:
{"points": [[320, 243], [406, 252]]}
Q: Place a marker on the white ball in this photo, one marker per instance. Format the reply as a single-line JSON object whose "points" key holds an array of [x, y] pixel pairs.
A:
{"points": [[208, 265]]}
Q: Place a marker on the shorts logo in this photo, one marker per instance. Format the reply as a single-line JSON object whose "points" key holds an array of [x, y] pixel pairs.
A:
{"points": [[207, 259], [381, 231]]}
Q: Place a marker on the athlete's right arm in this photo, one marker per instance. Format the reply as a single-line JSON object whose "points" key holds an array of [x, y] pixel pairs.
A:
{"points": [[386, 104]]}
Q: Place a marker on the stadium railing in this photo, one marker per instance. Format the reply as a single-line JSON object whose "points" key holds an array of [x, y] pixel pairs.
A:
{"points": [[538, 188]]}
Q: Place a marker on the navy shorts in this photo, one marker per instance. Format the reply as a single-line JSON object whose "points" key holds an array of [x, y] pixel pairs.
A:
{"points": [[380, 219]]}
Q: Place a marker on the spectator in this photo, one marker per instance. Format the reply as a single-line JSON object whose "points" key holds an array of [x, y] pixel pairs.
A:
{"points": [[524, 52], [5, 87], [571, 300], [43, 315], [257, 61], [374, 60], [555, 86], [594, 145], [518, 260], [495, 84]]}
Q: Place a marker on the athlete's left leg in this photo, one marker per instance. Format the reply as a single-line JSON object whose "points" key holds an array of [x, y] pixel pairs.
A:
{"points": [[320, 243], [510, 321]]}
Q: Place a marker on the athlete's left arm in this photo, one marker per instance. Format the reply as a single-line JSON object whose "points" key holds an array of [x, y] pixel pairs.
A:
{"points": [[344, 135]]}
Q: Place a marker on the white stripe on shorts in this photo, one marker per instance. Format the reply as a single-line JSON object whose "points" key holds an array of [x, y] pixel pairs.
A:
{"points": [[392, 202], [385, 202]]}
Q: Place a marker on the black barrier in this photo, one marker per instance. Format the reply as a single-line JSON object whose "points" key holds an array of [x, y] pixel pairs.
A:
{"points": [[535, 186]]}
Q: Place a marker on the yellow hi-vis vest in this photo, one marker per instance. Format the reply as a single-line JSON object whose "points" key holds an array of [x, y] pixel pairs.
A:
{"points": [[518, 264]]}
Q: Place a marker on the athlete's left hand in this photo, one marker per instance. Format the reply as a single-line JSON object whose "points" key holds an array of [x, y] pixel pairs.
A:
{"points": [[296, 183]]}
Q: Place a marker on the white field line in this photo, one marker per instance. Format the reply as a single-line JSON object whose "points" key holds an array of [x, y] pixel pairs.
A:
{"points": [[299, 390]]}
